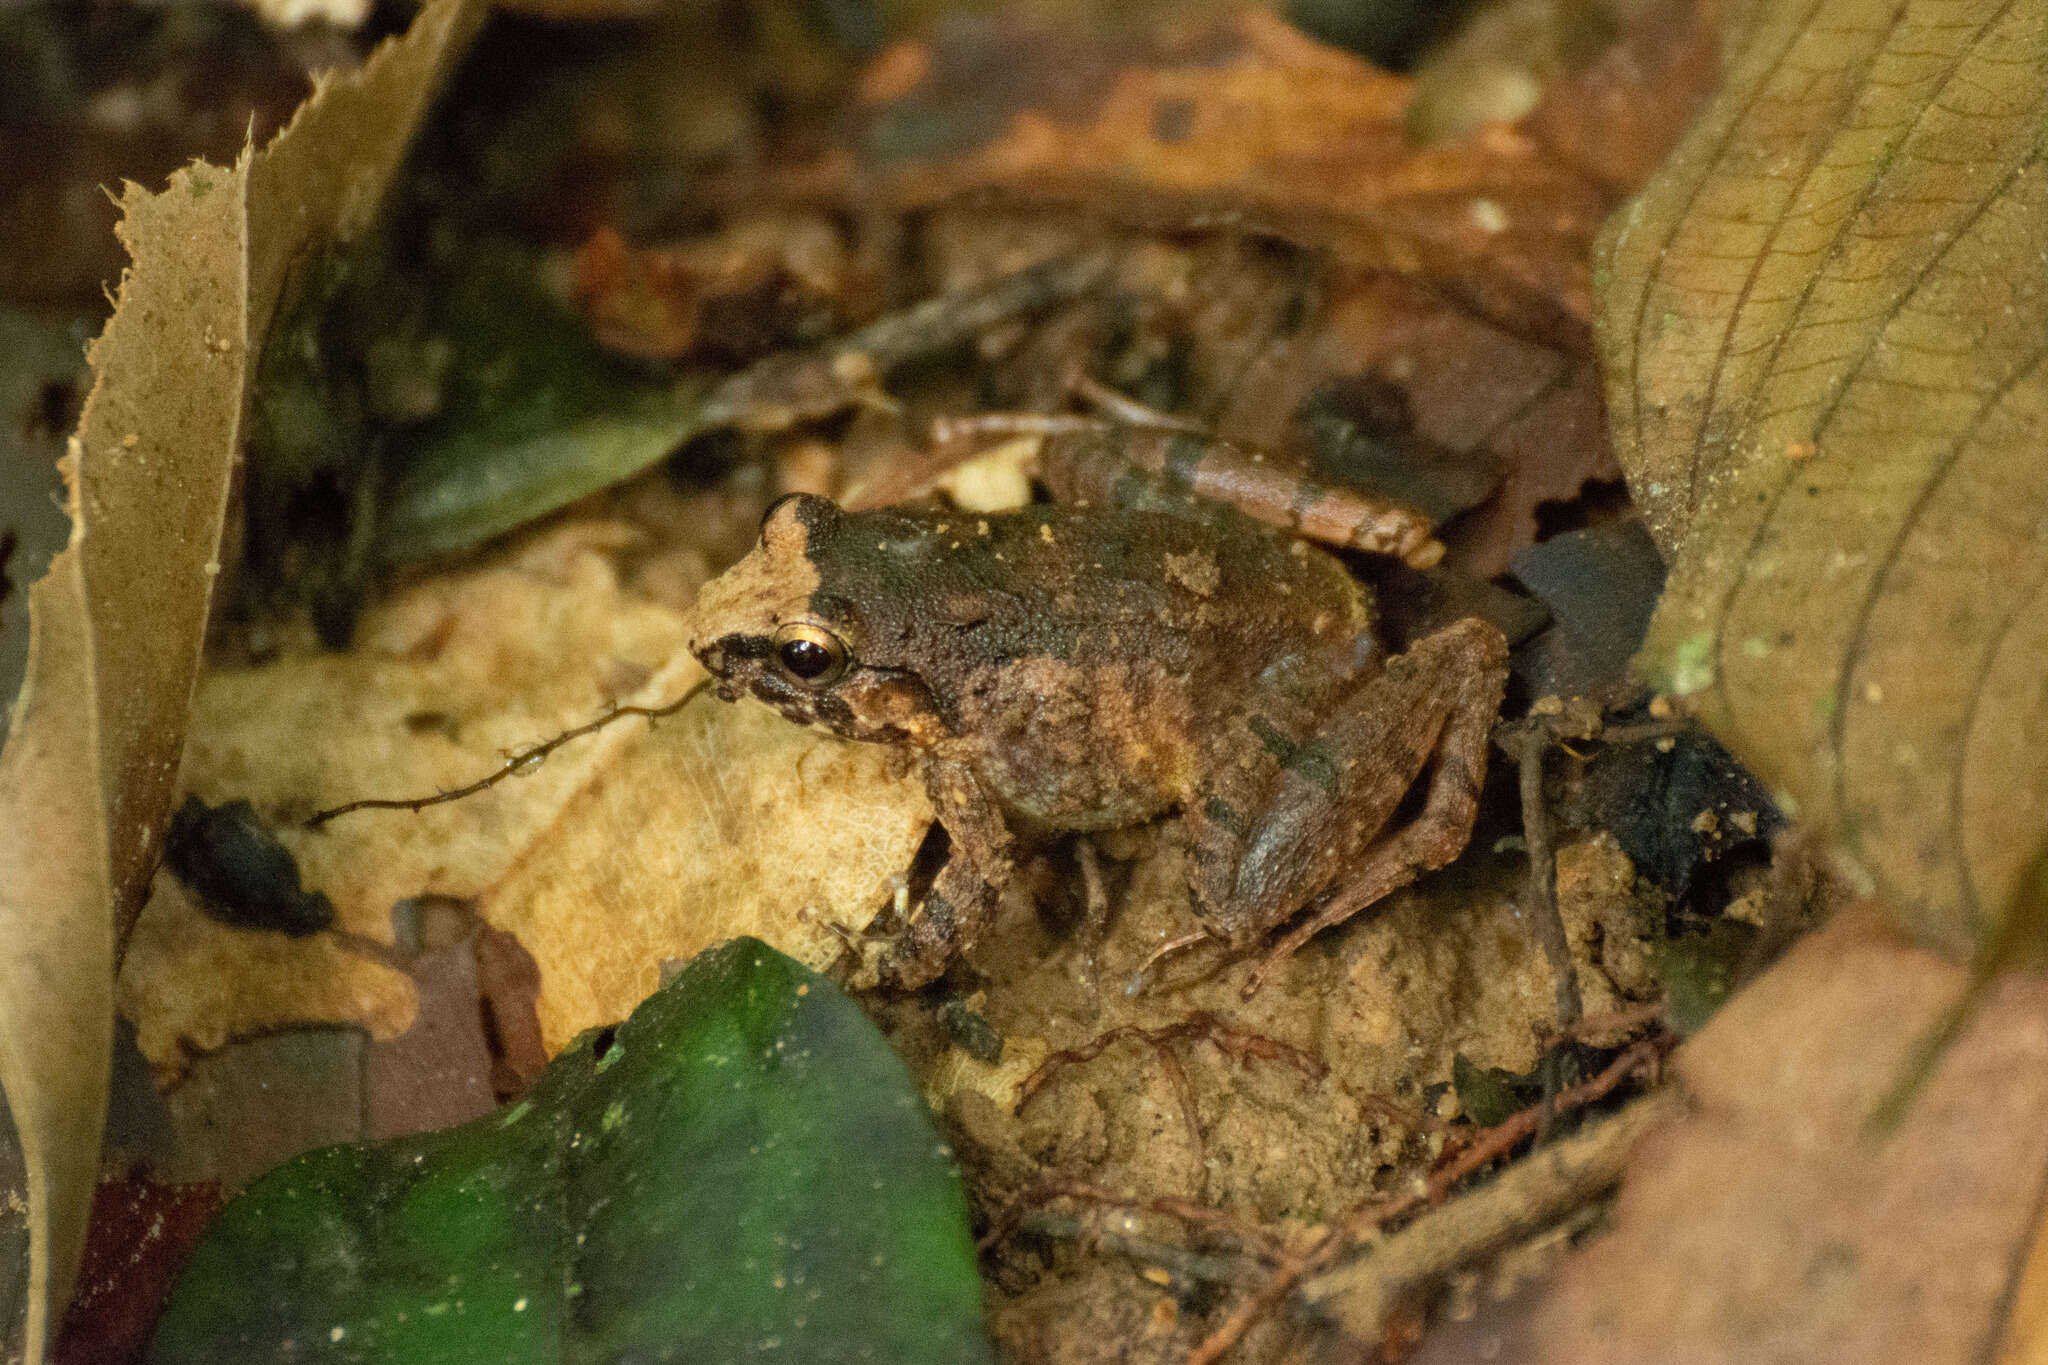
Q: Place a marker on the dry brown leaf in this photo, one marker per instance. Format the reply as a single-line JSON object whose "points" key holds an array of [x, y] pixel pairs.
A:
{"points": [[446, 679], [1618, 117], [91, 759], [2025, 1339], [725, 820], [1772, 1226], [1825, 331], [56, 917], [1259, 127], [1453, 275], [623, 849], [190, 983]]}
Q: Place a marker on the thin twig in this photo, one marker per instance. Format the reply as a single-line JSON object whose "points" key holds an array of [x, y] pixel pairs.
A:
{"points": [[1214, 1222], [1122, 408], [523, 761], [1526, 744], [1179, 1262], [1200, 1024], [1376, 1214], [1526, 1198], [1641, 731], [949, 430], [1508, 1134]]}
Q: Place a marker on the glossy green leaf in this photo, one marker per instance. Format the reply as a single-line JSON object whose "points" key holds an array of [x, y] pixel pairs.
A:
{"points": [[741, 1170], [535, 415]]}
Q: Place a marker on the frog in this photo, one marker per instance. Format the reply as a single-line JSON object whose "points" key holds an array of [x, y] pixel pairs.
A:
{"points": [[1097, 663]]}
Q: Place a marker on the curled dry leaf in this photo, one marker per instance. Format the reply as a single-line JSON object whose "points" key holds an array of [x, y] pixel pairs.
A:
{"points": [[1824, 326], [624, 848], [1773, 1224], [91, 759]]}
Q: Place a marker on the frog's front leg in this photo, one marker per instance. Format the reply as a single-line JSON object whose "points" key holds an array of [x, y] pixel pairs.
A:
{"points": [[1311, 824], [963, 898]]}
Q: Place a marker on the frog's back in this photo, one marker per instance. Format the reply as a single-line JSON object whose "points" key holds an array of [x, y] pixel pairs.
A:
{"points": [[1085, 661], [1206, 597]]}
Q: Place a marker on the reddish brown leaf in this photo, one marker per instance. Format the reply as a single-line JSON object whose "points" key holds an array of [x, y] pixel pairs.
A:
{"points": [[140, 1235], [1775, 1224]]}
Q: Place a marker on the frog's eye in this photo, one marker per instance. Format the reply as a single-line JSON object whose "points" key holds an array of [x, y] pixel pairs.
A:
{"points": [[810, 654]]}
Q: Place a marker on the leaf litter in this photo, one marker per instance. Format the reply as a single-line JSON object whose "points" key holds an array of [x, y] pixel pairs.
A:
{"points": [[1345, 292], [440, 731]]}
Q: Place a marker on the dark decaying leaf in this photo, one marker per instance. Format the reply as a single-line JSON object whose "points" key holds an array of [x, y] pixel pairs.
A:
{"points": [[239, 872], [742, 1169], [142, 1231], [1601, 585]]}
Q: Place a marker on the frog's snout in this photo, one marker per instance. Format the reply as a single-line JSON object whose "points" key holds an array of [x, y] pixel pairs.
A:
{"points": [[712, 654]]}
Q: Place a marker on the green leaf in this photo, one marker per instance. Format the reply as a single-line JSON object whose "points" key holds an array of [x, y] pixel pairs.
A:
{"points": [[741, 1169], [535, 416]]}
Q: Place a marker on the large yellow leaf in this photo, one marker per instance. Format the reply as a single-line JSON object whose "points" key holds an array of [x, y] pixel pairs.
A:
{"points": [[1825, 322], [630, 846]]}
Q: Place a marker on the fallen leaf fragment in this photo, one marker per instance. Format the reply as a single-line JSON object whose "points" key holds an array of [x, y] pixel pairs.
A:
{"points": [[91, 759], [725, 821], [1824, 331], [190, 983], [1616, 117], [1773, 1225], [142, 1231], [448, 677], [1261, 127], [634, 845]]}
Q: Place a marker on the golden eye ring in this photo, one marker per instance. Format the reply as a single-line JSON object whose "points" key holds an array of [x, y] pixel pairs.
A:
{"points": [[810, 655]]}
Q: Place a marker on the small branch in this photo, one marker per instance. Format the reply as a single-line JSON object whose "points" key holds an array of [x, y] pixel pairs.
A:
{"points": [[1180, 1263], [1121, 407], [1201, 1024], [1526, 744], [1372, 1216], [1250, 1242], [1497, 1141], [515, 764], [1524, 1200]]}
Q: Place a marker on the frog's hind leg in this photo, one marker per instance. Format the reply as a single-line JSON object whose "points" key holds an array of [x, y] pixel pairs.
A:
{"points": [[1097, 463], [1432, 709]]}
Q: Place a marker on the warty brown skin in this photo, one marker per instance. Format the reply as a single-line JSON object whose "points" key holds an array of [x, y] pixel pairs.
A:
{"points": [[1062, 668]]}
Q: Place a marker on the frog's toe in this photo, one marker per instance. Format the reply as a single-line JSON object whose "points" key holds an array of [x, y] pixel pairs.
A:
{"points": [[926, 945]]}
